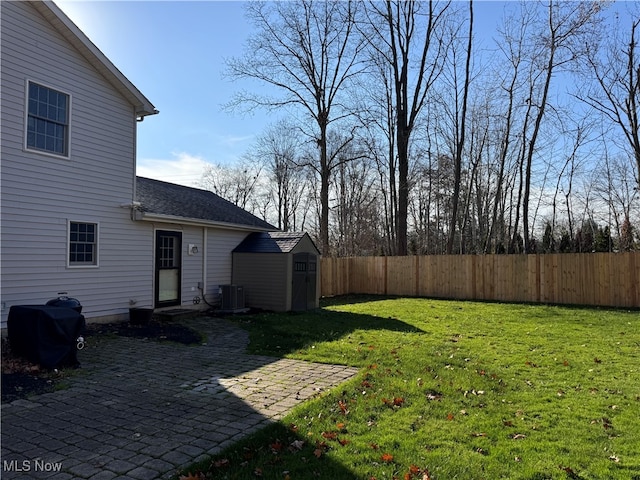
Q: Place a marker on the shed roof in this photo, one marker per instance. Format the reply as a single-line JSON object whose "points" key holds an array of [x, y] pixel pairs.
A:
{"points": [[163, 200], [270, 242]]}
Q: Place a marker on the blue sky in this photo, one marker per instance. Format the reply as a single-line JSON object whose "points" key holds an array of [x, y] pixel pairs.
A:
{"points": [[174, 52]]}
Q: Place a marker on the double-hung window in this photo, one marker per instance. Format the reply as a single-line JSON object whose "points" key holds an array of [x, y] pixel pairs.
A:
{"points": [[47, 120], [83, 244]]}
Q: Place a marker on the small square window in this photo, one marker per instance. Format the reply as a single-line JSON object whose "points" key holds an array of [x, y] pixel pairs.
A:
{"points": [[47, 120], [83, 244]]}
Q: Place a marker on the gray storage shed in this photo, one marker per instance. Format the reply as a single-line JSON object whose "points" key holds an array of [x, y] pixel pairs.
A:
{"points": [[279, 271]]}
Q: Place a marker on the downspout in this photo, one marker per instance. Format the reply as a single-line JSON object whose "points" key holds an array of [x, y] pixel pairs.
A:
{"points": [[205, 236], [135, 152]]}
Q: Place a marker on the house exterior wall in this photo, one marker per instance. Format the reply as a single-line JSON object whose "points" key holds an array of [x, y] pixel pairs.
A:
{"points": [[265, 278], [41, 193], [219, 262]]}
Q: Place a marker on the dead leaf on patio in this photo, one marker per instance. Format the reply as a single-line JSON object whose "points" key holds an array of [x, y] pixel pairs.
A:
{"points": [[192, 476]]}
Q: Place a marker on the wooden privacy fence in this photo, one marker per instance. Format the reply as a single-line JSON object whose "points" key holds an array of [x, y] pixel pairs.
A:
{"points": [[606, 279]]}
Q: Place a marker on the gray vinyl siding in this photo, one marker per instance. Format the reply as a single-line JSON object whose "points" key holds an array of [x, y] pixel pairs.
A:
{"points": [[219, 261], [265, 278], [41, 193], [191, 264]]}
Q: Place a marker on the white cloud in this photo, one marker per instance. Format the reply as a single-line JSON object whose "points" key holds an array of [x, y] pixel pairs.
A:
{"points": [[182, 169]]}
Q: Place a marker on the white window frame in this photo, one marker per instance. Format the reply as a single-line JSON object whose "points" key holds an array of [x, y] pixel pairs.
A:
{"points": [[96, 262], [67, 139]]}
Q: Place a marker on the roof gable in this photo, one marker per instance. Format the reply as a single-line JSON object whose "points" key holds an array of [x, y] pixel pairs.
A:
{"points": [[271, 242], [63, 24], [169, 200]]}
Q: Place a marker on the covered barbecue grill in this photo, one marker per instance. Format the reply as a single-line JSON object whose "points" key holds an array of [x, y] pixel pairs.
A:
{"points": [[45, 334]]}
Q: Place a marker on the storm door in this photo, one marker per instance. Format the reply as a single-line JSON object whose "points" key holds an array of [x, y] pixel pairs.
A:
{"points": [[168, 268]]}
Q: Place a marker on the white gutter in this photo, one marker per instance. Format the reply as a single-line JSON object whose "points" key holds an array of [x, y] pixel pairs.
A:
{"points": [[155, 217]]}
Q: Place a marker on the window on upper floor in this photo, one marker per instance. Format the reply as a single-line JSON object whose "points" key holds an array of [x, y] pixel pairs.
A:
{"points": [[47, 120], [83, 244]]}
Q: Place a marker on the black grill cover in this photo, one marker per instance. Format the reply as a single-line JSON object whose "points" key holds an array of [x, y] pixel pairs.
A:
{"points": [[45, 335]]}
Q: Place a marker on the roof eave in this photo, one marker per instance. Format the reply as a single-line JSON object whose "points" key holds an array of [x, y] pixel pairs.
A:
{"points": [[156, 217], [87, 48]]}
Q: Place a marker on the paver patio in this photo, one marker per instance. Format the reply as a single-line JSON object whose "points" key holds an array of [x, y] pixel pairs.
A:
{"points": [[141, 409]]}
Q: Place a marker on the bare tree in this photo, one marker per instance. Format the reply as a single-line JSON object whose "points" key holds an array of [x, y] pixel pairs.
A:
{"points": [[460, 132], [285, 182], [408, 36], [236, 183], [616, 68], [308, 53]]}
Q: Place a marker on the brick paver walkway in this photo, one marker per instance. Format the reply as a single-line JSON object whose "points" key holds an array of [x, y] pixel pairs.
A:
{"points": [[140, 409]]}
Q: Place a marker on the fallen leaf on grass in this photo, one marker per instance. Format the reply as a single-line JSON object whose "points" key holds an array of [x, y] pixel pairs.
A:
{"points": [[296, 445], [433, 395], [450, 416], [224, 462], [479, 434], [318, 452], [257, 472], [387, 457], [518, 436]]}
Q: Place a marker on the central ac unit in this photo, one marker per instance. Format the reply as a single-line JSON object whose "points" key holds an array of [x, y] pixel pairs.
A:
{"points": [[232, 297]]}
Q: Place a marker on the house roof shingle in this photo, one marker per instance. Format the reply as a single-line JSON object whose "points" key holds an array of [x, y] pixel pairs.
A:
{"points": [[270, 242], [168, 199]]}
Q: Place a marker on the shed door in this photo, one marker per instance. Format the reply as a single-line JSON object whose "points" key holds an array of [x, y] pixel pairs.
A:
{"points": [[168, 268], [303, 293]]}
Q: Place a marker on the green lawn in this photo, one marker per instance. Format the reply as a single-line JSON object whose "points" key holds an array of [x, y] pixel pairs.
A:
{"points": [[452, 390]]}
